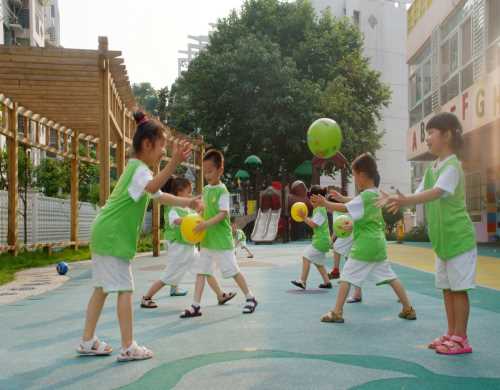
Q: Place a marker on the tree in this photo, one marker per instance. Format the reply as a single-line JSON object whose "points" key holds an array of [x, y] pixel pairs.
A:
{"points": [[51, 177], [146, 96], [267, 73], [163, 95]]}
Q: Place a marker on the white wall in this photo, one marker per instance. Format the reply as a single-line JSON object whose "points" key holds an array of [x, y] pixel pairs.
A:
{"points": [[1, 23], [385, 46]]}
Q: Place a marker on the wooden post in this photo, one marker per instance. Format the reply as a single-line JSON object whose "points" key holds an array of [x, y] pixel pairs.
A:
{"points": [[104, 133], [156, 223], [120, 148], [12, 178], [199, 179], [74, 187]]}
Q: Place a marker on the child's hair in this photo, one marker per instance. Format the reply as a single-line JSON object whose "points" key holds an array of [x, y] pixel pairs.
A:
{"points": [[318, 190], [215, 156], [174, 185], [366, 163], [149, 129], [233, 219], [446, 121]]}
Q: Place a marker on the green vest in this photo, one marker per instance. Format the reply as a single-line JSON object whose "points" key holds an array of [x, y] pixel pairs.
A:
{"points": [[117, 227], [173, 232], [369, 232], [240, 235], [450, 228], [321, 234], [220, 236]]}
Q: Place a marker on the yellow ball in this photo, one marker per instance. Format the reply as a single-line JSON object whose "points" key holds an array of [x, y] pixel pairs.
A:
{"points": [[295, 211], [187, 229]]}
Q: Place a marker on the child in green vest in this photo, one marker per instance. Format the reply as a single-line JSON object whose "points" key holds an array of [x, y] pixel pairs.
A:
{"points": [[316, 253], [180, 254], [218, 244], [450, 228], [240, 239], [116, 230], [368, 255]]}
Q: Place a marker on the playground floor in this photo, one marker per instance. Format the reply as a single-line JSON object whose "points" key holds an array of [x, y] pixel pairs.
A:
{"points": [[283, 345]]}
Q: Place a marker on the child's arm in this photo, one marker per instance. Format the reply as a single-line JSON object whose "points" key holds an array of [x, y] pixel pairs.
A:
{"points": [[210, 222], [339, 197], [394, 202], [180, 153], [308, 221], [172, 200], [330, 206]]}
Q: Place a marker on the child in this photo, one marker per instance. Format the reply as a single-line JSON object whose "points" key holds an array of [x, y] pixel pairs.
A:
{"points": [[450, 228], [240, 239], [218, 244], [316, 252], [115, 233], [180, 254], [368, 256]]}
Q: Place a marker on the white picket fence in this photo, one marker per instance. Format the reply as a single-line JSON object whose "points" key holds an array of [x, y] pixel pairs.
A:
{"points": [[49, 219]]}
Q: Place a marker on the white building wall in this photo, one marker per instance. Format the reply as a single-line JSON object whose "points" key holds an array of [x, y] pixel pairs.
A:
{"points": [[2, 40], [384, 29], [52, 23]]}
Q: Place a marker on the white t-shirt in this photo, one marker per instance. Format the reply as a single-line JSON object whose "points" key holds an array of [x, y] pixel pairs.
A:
{"points": [[318, 219], [224, 201], [355, 207], [140, 180], [447, 181], [172, 217]]}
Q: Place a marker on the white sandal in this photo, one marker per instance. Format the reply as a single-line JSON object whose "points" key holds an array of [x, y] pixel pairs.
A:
{"points": [[88, 348], [134, 352]]}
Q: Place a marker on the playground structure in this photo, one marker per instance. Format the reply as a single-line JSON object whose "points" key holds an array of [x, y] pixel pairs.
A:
{"points": [[75, 105]]}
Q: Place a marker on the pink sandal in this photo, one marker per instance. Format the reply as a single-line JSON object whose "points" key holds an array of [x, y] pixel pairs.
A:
{"points": [[456, 345], [438, 341]]}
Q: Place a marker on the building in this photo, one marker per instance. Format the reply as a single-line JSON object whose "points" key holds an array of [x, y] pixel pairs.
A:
{"points": [[193, 49], [30, 22], [454, 65], [383, 25]]}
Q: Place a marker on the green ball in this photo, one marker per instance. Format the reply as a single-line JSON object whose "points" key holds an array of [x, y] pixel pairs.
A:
{"points": [[338, 226], [324, 138]]}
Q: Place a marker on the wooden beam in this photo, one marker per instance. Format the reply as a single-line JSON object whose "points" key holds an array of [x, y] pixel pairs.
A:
{"points": [[104, 131], [74, 189], [199, 176], [156, 222], [120, 150], [12, 179]]}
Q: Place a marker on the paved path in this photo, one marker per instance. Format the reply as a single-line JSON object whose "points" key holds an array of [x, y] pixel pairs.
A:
{"points": [[282, 346]]}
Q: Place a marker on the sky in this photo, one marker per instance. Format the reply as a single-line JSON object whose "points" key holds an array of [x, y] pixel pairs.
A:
{"points": [[148, 32]]}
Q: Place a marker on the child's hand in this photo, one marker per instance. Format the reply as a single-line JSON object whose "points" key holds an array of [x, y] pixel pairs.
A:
{"points": [[181, 151], [196, 204], [336, 195], [200, 227], [178, 221], [382, 199], [318, 200], [395, 202], [347, 226], [302, 214]]}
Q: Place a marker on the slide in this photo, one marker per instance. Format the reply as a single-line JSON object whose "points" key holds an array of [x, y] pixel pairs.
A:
{"points": [[266, 226]]}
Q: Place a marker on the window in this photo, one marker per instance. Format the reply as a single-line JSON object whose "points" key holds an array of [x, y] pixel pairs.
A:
{"points": [[427, 106], [450, 89], [413, 90], [473, 195], [356, 17], [466, 31], [416, 115], [419, 82], [467, 77], [493, 18], [53, 11], [426, 77], [445, 61]]}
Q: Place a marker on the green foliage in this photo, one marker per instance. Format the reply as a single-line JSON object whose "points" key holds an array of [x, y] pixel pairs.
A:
{"points": [[51, 176], [267, 73], [146, 96], [163, 95]]}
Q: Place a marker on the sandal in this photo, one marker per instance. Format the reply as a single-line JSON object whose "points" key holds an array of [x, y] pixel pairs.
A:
{"points": [[335, 274], [194, 311], [408, 314], [176, 292], [456, 345], [299, 283], [249, 308], [354, 300], [148, 303], [325, 285], [438, 341], [94, 347], [332, 317], [134, 352], [226, 297]]}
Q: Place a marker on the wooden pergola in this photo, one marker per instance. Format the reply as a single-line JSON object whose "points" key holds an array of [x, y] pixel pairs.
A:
{"points": [[80, 99]]}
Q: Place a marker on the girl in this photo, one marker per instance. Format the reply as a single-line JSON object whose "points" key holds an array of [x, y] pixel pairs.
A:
{"points": [[180, 254], [240, 239], [316, 252], [368, 256], [115, 233], [450, 228]]}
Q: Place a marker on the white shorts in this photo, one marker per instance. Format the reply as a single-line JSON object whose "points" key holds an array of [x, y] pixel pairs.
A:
{"points": [[343, 246], [241, 244], [179, 259], [458, 273], [356, 272], [225, 259], [315, 256], [112, 274]]}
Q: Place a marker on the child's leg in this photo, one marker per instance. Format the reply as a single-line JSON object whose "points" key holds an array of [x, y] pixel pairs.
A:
{"points": [[250, 254], [156, 286], [460, 300], [306, 266], [450, 312], [125, 317], [336, 261], [198, 289], [356, 295], [401, 293], [94, 309], [341, 297], [242, 284], [324, 273]]}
